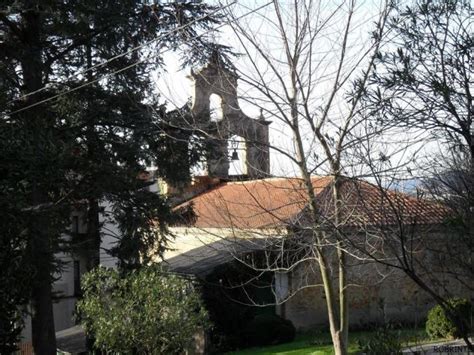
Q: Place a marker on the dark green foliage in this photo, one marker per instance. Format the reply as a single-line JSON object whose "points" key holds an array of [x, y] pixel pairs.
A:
{"points": [[88, 145], [146, 310], [228, 318], [385, 341], [440, 325], [19, 223], [229, 295], [15, 277], [268, 329]]}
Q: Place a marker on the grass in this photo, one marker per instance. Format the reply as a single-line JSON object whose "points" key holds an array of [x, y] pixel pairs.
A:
{"points": [[319, 343]]}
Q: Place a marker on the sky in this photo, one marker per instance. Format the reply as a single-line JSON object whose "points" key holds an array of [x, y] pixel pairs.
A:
{"points": [[329, 18]]}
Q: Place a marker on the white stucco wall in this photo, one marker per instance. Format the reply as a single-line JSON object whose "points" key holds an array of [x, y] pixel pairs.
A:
{"points": [[110, 234]]}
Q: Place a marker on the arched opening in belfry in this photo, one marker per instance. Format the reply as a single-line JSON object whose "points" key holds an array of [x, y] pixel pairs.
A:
{"points": [[215, 108], [237, 155]]}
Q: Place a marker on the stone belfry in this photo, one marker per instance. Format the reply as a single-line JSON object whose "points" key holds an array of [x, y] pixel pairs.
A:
{"points": [[214, 78]]}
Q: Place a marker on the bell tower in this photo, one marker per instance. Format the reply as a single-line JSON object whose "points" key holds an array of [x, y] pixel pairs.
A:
{"points": [[214, 78]]}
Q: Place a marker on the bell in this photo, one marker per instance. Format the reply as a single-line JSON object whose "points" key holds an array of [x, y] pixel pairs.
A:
{"points": [[234, 156]]}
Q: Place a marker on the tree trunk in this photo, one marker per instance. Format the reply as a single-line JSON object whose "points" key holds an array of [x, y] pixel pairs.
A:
{"points": [[93, 210], [338, 326], [340, 347], [44, 338], [341, 258], [343, 301]]}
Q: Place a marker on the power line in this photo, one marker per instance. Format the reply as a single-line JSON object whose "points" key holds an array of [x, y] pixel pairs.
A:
{"points": [[131, 65], [82, 85], [179, 28]]}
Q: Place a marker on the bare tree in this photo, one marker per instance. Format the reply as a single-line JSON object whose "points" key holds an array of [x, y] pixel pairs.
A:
{"points": [[302, 63], [304, 92]]}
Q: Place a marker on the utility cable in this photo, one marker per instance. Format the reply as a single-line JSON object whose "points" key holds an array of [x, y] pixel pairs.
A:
{"points": [[129, 66], [179, 28]]}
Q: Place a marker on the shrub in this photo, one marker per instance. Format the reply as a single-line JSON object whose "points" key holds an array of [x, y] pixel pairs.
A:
{"points": [[440, 325], [384, 341], [144, 311], [268, 329], [228, 308]]}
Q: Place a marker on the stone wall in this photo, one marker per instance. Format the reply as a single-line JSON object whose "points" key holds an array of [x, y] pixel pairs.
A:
{"points": [[378, 295]]}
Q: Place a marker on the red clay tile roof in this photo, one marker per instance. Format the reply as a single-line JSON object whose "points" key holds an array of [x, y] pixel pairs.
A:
{"points": [[367, 204], [277, 202]]}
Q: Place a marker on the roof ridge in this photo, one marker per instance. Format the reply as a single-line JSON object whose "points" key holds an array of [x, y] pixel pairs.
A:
{"points": [[242, 182]]}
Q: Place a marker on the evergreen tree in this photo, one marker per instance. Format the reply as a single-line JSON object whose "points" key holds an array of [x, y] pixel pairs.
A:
{"points": [[79, 121]]}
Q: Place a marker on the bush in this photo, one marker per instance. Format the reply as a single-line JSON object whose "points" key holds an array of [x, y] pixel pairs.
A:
{"points": [[143, 312], [268, 329], [440, 325], [384, 341], [228, 307]]}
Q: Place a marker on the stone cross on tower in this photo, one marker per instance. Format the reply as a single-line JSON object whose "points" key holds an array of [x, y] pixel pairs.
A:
{"points": [[215, 79]]}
